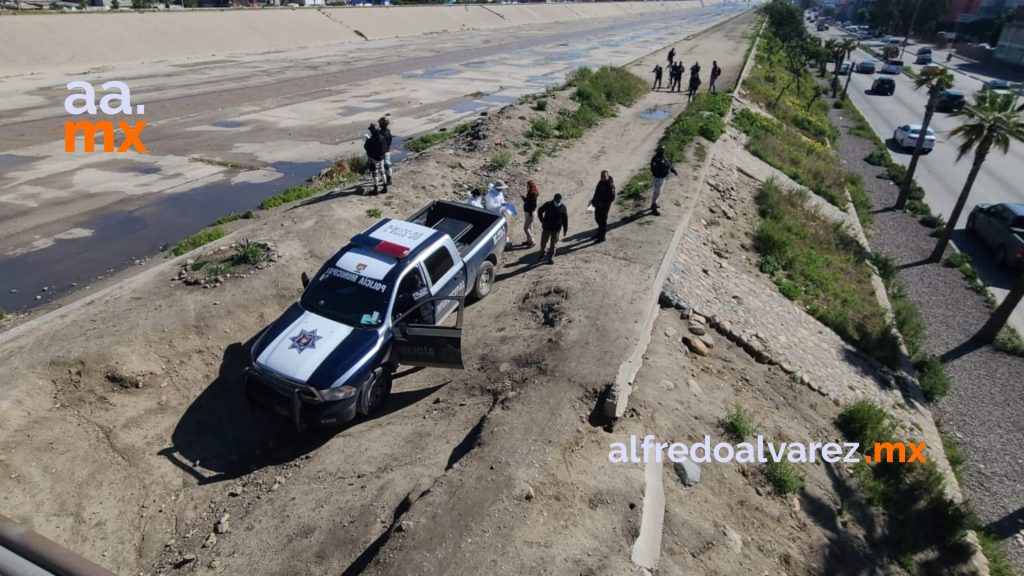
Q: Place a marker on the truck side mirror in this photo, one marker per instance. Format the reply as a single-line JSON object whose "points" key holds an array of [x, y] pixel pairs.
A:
{"points": [[305, 279]]}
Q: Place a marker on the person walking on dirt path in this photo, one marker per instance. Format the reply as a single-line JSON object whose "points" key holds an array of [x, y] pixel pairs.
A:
{"points": [[554, 219], [375, 148], [475, 198], [949, 57], [671, 56], [676, 77], [694, 85], [657, 76], [385, 131], [604, 196], [695, 70], [529, 206], [715, 73], [660, 169]]}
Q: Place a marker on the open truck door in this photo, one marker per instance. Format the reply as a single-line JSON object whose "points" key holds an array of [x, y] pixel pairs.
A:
{"points": [[428, 345]]}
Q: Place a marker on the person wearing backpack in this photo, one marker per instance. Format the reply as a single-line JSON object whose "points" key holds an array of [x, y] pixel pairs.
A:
{"points": [[660, 168], [715, 73]]}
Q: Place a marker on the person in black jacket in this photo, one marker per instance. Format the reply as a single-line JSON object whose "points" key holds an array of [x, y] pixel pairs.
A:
{"points": [[554, 219], [385, 132], [715, 73], [671, 56], [694, 85], [604, 195], [660, 168], [657, 76], [375, 150]]}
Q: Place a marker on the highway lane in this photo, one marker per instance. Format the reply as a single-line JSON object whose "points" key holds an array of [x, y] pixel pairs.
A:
{"points": [[1001, 178]]}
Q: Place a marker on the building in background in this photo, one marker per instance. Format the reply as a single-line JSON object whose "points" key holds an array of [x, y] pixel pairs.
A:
{"points": [[1010, 49]]}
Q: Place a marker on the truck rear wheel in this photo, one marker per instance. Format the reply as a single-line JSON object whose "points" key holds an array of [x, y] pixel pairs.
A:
{"points": [[375, 391], [484, 280]]}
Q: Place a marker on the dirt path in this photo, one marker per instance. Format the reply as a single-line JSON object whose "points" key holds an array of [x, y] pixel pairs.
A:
{"points": [[137, 477]]}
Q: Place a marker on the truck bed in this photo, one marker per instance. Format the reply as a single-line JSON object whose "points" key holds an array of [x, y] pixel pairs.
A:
{"points": [[466, 225]]}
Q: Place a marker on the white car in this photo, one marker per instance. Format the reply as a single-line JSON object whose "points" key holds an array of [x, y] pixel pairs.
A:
{"points": [[906, 137]]}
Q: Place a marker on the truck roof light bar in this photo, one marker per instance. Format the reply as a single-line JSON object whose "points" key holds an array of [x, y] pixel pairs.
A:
{"points": [[392, 249]]}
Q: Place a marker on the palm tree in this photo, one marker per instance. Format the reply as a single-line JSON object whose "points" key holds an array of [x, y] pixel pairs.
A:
{"points": [[937, 80], [847, 46], [998, 319], [993, 121], [832, 46]]}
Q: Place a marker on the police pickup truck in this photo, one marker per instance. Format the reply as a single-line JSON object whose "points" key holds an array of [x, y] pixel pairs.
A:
{"points": [[379, 302]]}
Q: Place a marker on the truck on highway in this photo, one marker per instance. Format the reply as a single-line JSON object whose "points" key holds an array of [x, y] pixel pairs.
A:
{"points": [[1001, 226], [383, 300]]}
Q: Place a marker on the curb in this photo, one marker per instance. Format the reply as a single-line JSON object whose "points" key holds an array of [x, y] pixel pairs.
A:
{"points": [[618, 395]]}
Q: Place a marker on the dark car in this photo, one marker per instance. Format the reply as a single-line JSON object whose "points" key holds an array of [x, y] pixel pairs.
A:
{"points": [[883, 86], [865, 67], [1001, 227], [950, 101]]}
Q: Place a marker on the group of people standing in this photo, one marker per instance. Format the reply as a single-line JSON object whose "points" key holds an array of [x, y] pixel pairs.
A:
{"points": [[377, 144], [675, 76], [553, 214]]}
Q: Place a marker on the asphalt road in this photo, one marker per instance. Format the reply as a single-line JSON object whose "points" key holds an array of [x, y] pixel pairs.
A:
{"points": [[939, 173]]}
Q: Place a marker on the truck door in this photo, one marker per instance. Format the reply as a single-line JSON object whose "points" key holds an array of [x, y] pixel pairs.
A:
{"points": [[447, 276], [432, 345]]}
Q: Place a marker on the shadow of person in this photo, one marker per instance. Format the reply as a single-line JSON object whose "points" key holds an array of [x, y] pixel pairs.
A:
{"points": [[221, 436]]}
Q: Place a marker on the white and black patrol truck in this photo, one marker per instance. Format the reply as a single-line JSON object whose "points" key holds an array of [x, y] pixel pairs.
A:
{"points": [[384, 300]]}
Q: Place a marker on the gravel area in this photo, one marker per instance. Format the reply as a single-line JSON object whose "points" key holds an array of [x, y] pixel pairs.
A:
{"points": [[984, 410]]}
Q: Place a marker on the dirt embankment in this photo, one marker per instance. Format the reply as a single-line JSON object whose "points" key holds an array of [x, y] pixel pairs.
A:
{"points": [[124, 434], [38, 43]]}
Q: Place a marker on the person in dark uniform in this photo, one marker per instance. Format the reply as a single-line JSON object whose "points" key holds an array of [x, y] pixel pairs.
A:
{"points": [[671, 56], [554, 219], [604, 196], [657, 76], [661, 166], [385, 131], [715, 73], [375, 149], [694, 85]]}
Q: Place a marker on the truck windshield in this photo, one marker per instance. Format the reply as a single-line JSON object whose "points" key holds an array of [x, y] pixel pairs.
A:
{"points": [[347, 297]]}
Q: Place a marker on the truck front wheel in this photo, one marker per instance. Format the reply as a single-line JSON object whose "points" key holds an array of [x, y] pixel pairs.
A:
{"points": [[375, 390], [484, 280]]}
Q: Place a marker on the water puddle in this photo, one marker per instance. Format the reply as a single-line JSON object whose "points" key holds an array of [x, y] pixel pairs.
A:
{"points": [[228, 124], [123, 235], [655, 114]]}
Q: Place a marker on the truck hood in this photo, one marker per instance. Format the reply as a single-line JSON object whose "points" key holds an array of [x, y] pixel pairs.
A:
{"points": [[310, 349]]}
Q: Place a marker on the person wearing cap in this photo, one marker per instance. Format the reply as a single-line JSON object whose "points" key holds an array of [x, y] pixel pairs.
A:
{"points": [[385, 132], [554, 219], [660, 168], [374, 147], [495, 199]]}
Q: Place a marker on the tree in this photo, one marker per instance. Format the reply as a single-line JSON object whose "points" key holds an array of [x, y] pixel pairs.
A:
{"points": [[847, 46], [936, 80], [786, 21], [993, 121], [998, 319]]}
